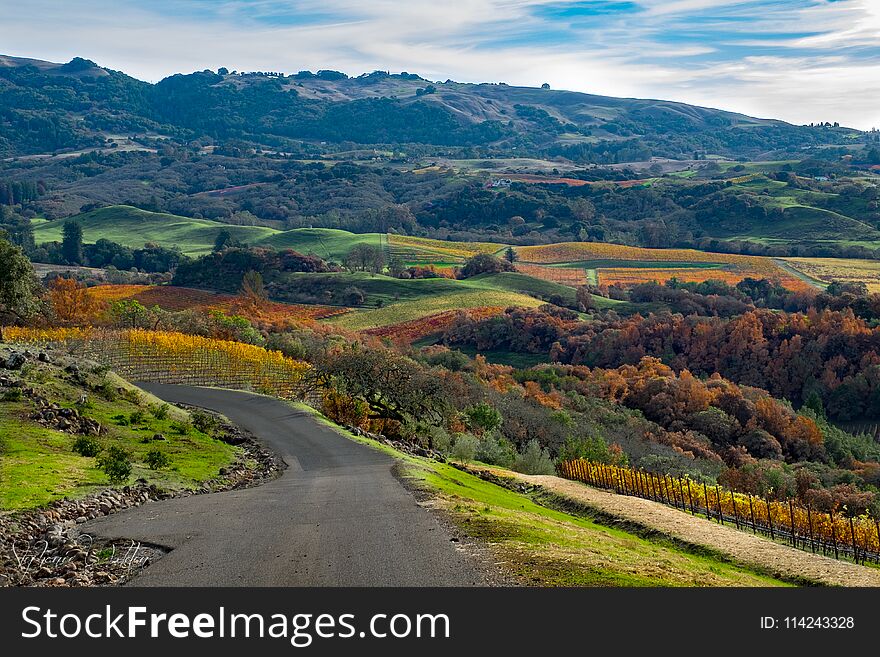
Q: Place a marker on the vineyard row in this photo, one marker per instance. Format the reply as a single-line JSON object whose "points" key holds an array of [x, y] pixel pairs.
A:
{"points": [[803, 527]]}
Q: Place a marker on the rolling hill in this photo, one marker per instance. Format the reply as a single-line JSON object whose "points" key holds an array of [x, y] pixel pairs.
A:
{"points": [[328, 108]]}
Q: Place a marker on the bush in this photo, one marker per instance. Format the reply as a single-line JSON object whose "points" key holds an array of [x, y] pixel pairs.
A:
{"points": [[495, 451], [107, 390], [85, 446], [116, 464], [132, 396], [156, 460], [465, 448], [12, 395], [345, 410], [121, 420], [204, 422], [182, 428], [160, 412], [592, 449], [534, 460], [439, 439], [137, 417]]}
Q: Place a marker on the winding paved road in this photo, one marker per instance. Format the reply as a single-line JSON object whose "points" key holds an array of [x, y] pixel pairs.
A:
{"points": [[337, 516]]}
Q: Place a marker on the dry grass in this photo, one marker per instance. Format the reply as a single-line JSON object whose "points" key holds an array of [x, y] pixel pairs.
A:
{"points": [[755, 551]]}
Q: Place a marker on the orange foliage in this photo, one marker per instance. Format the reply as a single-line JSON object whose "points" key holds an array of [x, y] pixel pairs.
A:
{"points": [[72, 302], [266, 314], [408, 332]]}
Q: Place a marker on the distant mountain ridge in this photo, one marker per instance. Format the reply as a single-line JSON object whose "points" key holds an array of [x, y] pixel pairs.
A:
{"points": [[47, 107]]}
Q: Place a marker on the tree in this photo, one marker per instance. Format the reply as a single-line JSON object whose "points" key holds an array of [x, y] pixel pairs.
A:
{"points": [[223, 239], [72, 242], [133, 314], [253, 291], [483, 418], [483, 263], [18, 285], [72, 303], [393, 386], [511, 255], [365, 257], [584, 299]]}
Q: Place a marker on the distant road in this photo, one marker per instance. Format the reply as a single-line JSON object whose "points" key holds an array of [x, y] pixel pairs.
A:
{"points": [[337, 516], [782, 264]]}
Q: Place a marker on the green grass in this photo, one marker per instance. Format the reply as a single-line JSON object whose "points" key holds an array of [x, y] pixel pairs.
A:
{"points": [[547, 547], [38, 465], [406, 300], [512, 358], [134, 227]]}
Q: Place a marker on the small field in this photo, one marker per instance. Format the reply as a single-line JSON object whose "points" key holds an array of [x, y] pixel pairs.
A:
{"points": [[629, 264], [839, 269]]}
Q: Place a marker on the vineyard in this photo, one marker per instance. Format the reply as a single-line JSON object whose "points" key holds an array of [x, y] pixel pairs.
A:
{"points": [[628, 277], [616, 256], [408, 332], [570, 276], [840, 269], [801, 526], [421, 250], [166, 357], [175, 299]]}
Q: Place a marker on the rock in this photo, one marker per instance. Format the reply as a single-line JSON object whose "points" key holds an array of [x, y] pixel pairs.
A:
{"points": [[44, 357], [80, 520], [15, 361], [158, 436]]}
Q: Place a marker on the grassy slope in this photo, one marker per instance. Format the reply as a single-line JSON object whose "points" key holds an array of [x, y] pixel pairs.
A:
{"points": [[39, 465], [133, 227], [546, 547], [411, 299], [434, 296]]}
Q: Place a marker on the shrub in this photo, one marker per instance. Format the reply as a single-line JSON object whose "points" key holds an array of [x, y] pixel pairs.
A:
{"points": [[204, 422], [85, 446], [465, 448], [156, 460], [534, 460], [345, 409], [12, 395], [132, 396], [160, 411], [121, 420], [137, 417], [592, 449], [439, 439], [116, 464], [181, 427], [483, 417], [106, 389], [495, 451]]}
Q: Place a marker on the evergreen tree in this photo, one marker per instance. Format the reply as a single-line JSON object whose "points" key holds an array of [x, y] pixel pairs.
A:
{"points": [[72, 243]]}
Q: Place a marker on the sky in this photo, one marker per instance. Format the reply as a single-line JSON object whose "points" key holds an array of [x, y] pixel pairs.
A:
{"points": [[798, 60]]}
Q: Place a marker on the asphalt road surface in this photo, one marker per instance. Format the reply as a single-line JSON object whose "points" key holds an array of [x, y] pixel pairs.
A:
{"points": [[337, 516]]}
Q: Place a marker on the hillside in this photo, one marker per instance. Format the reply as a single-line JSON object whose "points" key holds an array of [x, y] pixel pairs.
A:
{"points": [[51, 401], [302, 111]]}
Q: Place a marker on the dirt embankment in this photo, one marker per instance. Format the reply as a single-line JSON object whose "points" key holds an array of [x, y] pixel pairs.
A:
{"points": [[742, 547]]}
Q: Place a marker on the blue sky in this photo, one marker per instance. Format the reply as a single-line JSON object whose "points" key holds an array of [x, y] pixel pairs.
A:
{"points": [[799, 60]]}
